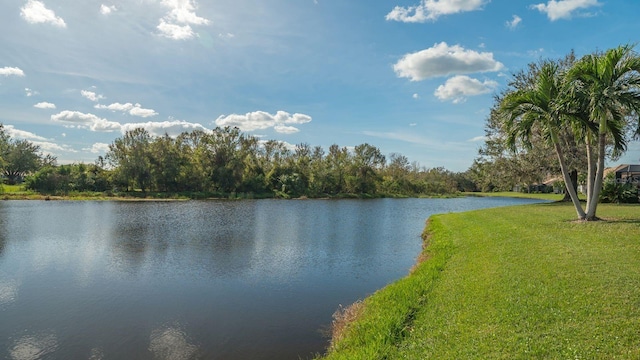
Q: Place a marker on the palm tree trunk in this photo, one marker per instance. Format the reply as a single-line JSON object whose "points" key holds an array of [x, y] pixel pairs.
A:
{"points": [[568, 183], [591, 169], [574, 180], [597, 186]]}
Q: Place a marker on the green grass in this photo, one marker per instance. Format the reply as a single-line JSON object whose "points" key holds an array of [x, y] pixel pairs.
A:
{"points": [[524, 282], [553, 197], [12, 188]]}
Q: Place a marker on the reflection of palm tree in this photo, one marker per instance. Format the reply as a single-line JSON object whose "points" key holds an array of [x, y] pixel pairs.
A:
{"points": [[607, 86], [540, 106]]}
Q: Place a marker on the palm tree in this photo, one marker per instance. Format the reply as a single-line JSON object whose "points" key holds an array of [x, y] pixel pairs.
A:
{"points": [[607, 87], [542, 105]]}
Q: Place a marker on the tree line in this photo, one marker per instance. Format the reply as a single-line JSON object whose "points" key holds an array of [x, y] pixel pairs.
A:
{"points": [[556, 118], [225, 162]]}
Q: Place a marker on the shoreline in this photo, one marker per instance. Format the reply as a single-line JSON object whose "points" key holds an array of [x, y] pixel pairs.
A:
{"points": [[443, 306], [138, 196], [178, 197]]}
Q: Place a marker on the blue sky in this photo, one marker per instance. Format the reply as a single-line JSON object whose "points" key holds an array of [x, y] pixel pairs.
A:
{"points": [[415, 77]]}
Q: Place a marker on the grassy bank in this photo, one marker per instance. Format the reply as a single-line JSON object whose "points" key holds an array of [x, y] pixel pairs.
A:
{"points": [[18, 192], [552, 197], [513, 283]]}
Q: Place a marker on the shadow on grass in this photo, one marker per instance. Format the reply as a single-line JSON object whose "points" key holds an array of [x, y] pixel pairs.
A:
{"points": [[621, 221]]}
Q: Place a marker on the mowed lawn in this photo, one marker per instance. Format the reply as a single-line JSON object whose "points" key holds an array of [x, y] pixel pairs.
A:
{"points": [[523, 282]]}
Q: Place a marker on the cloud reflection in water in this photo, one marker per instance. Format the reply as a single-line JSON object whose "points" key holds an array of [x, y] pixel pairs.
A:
{"points": [[32, 347], [171, 343]]}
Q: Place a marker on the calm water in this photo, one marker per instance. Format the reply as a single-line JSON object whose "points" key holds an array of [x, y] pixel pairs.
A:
{"points": [[198, 279]]}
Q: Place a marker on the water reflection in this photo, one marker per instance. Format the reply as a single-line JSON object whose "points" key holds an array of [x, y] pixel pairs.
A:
{"points": [[252, 279], [96, 354], [3, 220], [33, 347], [171, 343], [8, 291], [218, 235]]}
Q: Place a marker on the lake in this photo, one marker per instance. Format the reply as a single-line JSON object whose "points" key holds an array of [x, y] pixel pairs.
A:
{"points": [[251, 279]]}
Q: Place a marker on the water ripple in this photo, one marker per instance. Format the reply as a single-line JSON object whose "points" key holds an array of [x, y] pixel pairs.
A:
{"points": [[171, 343], [32, 347]]}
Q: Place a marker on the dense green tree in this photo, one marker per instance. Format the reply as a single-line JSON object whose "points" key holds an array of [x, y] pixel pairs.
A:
{"points": [[502, 167], [4, 146], [194, 176], [65, 178], [606, 87], [225, 148], [225, 161], [167, 160], [319, 180], [253, 176], [20, 158], [365, 163], [275, 164], [541, 105], [129, 155], [336, 164], [395, 178]]}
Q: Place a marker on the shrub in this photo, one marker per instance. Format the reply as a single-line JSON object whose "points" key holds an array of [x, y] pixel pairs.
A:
{"points": [[613, 192]]}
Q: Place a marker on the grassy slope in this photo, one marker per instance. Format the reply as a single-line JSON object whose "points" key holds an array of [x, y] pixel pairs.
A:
{"points": [[517, 282], [552, 197]]}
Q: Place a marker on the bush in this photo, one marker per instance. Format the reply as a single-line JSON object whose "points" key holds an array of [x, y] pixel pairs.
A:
{"points": [[613, 192]]}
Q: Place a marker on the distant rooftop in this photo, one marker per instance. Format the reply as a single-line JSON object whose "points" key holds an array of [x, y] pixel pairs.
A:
{"points": [[627, 168]]}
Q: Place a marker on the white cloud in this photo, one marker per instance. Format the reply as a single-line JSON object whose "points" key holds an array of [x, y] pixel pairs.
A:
{"points": [[513, 23], [226, 36], [430, 10], [44, 105], [135, 110], [283, 129], [116, 107], [176, 24], [564, 9], [259, 120], [172, 128], [443, 60], [21, 134], [85, 121], [30, 92], [98, 148], [416, 96], [35, 12], [106, 10], [95, 123], [478, 139], [11, 71], [458, 88], [183, 12], [91, 95], [48, 147], [175, 32]]}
